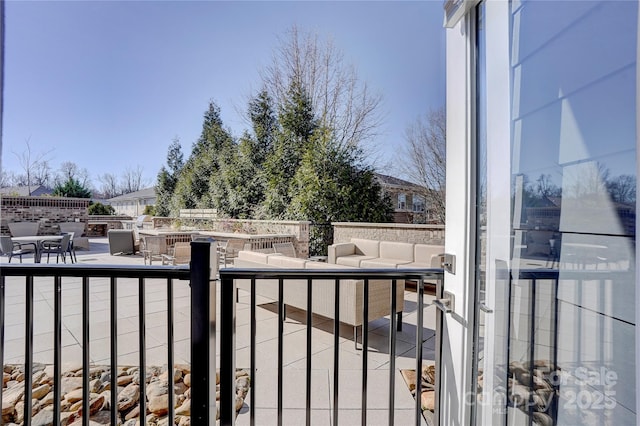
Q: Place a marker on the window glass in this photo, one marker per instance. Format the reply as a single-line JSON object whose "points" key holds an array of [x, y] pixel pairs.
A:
{"points": [[573, 139], [402, 201]]}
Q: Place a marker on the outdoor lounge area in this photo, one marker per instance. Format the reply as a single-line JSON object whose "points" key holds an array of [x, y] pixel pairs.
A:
{"points": [[265, 377]]}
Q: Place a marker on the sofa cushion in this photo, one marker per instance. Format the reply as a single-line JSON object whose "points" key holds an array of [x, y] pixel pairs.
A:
{"points": [[423, 253], [366, 247], [323, 265], [383, 263], [286, 262], [436, 262], [395, 250], [352, 260], [254, 256]]}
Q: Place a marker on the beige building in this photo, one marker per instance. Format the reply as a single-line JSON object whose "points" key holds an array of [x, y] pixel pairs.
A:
{"points": [[133, 203]]}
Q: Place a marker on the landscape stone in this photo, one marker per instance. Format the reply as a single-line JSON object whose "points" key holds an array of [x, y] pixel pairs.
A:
{"points": [[427, 400], [128, 397], [41, 391], [43, 418], [158, 405], [184, 409]]}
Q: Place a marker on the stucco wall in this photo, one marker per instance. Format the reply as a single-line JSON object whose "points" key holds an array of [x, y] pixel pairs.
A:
{"points": [[409, 233]]}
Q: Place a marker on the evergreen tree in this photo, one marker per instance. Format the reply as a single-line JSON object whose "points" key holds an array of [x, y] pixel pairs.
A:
{"points": [[331, 185], [168, 178], [297, 124], [71, 188], [200, 185]]}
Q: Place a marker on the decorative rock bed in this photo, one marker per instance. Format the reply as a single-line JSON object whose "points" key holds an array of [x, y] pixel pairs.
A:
{"points": [[100, 404], [427, 397]]}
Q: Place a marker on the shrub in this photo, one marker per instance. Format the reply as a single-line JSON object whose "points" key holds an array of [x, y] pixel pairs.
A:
{"points": [[101, 209]]}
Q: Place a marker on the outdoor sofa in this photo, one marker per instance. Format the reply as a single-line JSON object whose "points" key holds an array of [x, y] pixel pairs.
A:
{"points": [[323, 303], [365, 253]]}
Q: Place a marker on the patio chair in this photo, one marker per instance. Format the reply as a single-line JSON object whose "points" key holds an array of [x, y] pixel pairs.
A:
{"points": [[153, 248], [286, 249], [10, 248], [59, 247], [180, 254], [23, 229], [230, 251], [80, 241], [72, 247], [121, 241]]}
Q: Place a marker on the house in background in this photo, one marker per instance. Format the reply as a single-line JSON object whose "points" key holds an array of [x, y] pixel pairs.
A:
{"points": [[133, 203], [409, 205], [26, 191]]}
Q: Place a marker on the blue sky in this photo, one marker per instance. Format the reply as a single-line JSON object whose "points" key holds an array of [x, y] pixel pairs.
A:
{"points": [[108, 85]]}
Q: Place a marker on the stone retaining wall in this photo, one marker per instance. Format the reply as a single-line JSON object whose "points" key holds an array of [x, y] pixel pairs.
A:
{"points": [[299, 229], [48, 211], [408, 233], [99, 225]]}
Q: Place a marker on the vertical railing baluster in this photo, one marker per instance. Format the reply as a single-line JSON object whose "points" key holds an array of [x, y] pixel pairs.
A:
{"points": [[227, 353], [86, 360], [365, 348], [170, 362], [309, 351], [336, 351], [252, 351], [113, 306], [57, 351], [392, 353], [203, 385], [281, 318], [142, 345], [419, 337], [2, 315], [532, 341], [28, 351], [554, 405]]}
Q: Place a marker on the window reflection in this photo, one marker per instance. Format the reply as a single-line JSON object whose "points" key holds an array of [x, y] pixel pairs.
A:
{"points": [[573, 107]]}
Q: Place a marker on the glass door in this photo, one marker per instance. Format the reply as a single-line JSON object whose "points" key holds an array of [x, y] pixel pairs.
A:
{"points": [[554, 166]]}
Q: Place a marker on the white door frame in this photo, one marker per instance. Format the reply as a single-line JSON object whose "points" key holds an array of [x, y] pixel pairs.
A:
{"points": [[457, 326]]}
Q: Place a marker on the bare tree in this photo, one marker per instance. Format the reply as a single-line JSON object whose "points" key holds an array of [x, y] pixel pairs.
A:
{"points": [[622, 189], [424, 158], [132, 180], [6, 179], [30, 161], [341, 102], [70, 170], [109, 185], [546, 188], [42, 174]]}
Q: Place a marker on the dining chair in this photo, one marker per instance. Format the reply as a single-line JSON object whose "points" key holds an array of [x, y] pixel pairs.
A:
{"points": [[180, 254], [72, 249], [59, 247], [153, 247], [10, 248]]}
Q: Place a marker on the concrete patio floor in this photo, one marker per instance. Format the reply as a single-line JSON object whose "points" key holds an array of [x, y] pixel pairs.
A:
{"points": [[265, 378]]}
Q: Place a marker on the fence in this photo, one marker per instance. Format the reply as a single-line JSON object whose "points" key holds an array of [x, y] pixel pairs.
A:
{"points": [[203, 331]]}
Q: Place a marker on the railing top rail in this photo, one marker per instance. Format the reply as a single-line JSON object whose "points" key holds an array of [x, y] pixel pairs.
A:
{"points": [[119, 271], [262, 273]]}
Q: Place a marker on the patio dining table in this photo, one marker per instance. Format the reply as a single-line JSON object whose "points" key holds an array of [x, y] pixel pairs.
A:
{"points": [[37, 240]]}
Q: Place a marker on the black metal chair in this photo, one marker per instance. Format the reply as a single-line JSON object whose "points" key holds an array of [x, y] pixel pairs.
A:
{"points": [[59, 247], [10, 248]]}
